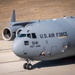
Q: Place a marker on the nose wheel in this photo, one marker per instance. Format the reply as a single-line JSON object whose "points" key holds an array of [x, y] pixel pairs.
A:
{"points": [[27, 65]]}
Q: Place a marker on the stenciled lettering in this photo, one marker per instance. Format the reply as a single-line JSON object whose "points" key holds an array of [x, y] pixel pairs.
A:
{"points": [[50, 35]]}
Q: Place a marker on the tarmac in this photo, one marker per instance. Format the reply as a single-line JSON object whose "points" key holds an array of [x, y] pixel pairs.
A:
{"points": [[10, 64]]}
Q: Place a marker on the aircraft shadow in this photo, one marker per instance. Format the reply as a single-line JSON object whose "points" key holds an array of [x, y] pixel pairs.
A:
{"points": [[58, 62]]}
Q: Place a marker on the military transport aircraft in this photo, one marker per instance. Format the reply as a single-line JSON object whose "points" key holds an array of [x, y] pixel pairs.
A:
{"points": [[41, 39]]}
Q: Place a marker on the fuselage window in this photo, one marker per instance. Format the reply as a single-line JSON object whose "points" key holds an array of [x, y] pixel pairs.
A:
{"points": [[26, 42], [29, 35], [34, 35]]}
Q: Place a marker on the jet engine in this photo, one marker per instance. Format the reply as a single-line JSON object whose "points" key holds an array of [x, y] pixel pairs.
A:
{"points": [[9, 33], [18, 31]]}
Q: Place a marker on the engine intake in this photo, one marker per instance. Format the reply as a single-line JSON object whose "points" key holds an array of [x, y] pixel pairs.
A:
{"points": [[7, 34], [18, 31]]}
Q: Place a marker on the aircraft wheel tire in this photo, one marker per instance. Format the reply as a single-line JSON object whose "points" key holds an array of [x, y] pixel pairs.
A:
{"points": [[29, 67], [25, 66]]}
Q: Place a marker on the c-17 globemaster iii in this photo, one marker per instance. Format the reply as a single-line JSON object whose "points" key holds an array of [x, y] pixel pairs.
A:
{"points": [[41, 39]]}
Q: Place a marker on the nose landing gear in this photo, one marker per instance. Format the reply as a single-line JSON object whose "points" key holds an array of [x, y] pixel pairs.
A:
{"points": [[27, 65]]}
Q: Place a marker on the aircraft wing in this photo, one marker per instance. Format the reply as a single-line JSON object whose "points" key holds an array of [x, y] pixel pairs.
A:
{"points": [[20, 23]]}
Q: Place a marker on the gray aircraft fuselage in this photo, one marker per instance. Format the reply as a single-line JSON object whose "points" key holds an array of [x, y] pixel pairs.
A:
{"points": [[41, 39], [46, 40]]}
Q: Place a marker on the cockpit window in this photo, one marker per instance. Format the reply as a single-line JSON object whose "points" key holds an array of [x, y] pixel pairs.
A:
{"points": [[34, 35], [21, 35], [29, 35]]}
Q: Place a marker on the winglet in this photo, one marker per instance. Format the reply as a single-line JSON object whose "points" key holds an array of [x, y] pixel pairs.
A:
{"points": [[13, 17]]}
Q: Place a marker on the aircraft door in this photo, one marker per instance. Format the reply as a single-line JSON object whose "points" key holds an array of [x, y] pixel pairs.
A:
{"points": [[46, 48], [54, 50]]}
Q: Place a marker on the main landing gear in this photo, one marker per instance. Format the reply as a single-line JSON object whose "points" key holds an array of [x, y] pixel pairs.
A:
{"points": [[27, 65]]}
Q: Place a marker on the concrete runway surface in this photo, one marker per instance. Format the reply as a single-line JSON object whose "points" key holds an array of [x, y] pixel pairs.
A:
{"points": [[10, 64]]}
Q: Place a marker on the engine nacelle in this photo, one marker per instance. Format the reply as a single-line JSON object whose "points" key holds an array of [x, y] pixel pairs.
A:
{"points": [[18, 31], [9, 33]]}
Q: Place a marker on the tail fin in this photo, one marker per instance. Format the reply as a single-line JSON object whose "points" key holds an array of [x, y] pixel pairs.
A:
{"points": [[13, 17]]}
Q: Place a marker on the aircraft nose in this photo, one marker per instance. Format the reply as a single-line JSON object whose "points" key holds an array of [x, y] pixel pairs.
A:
{"points": [[17, 47]]}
